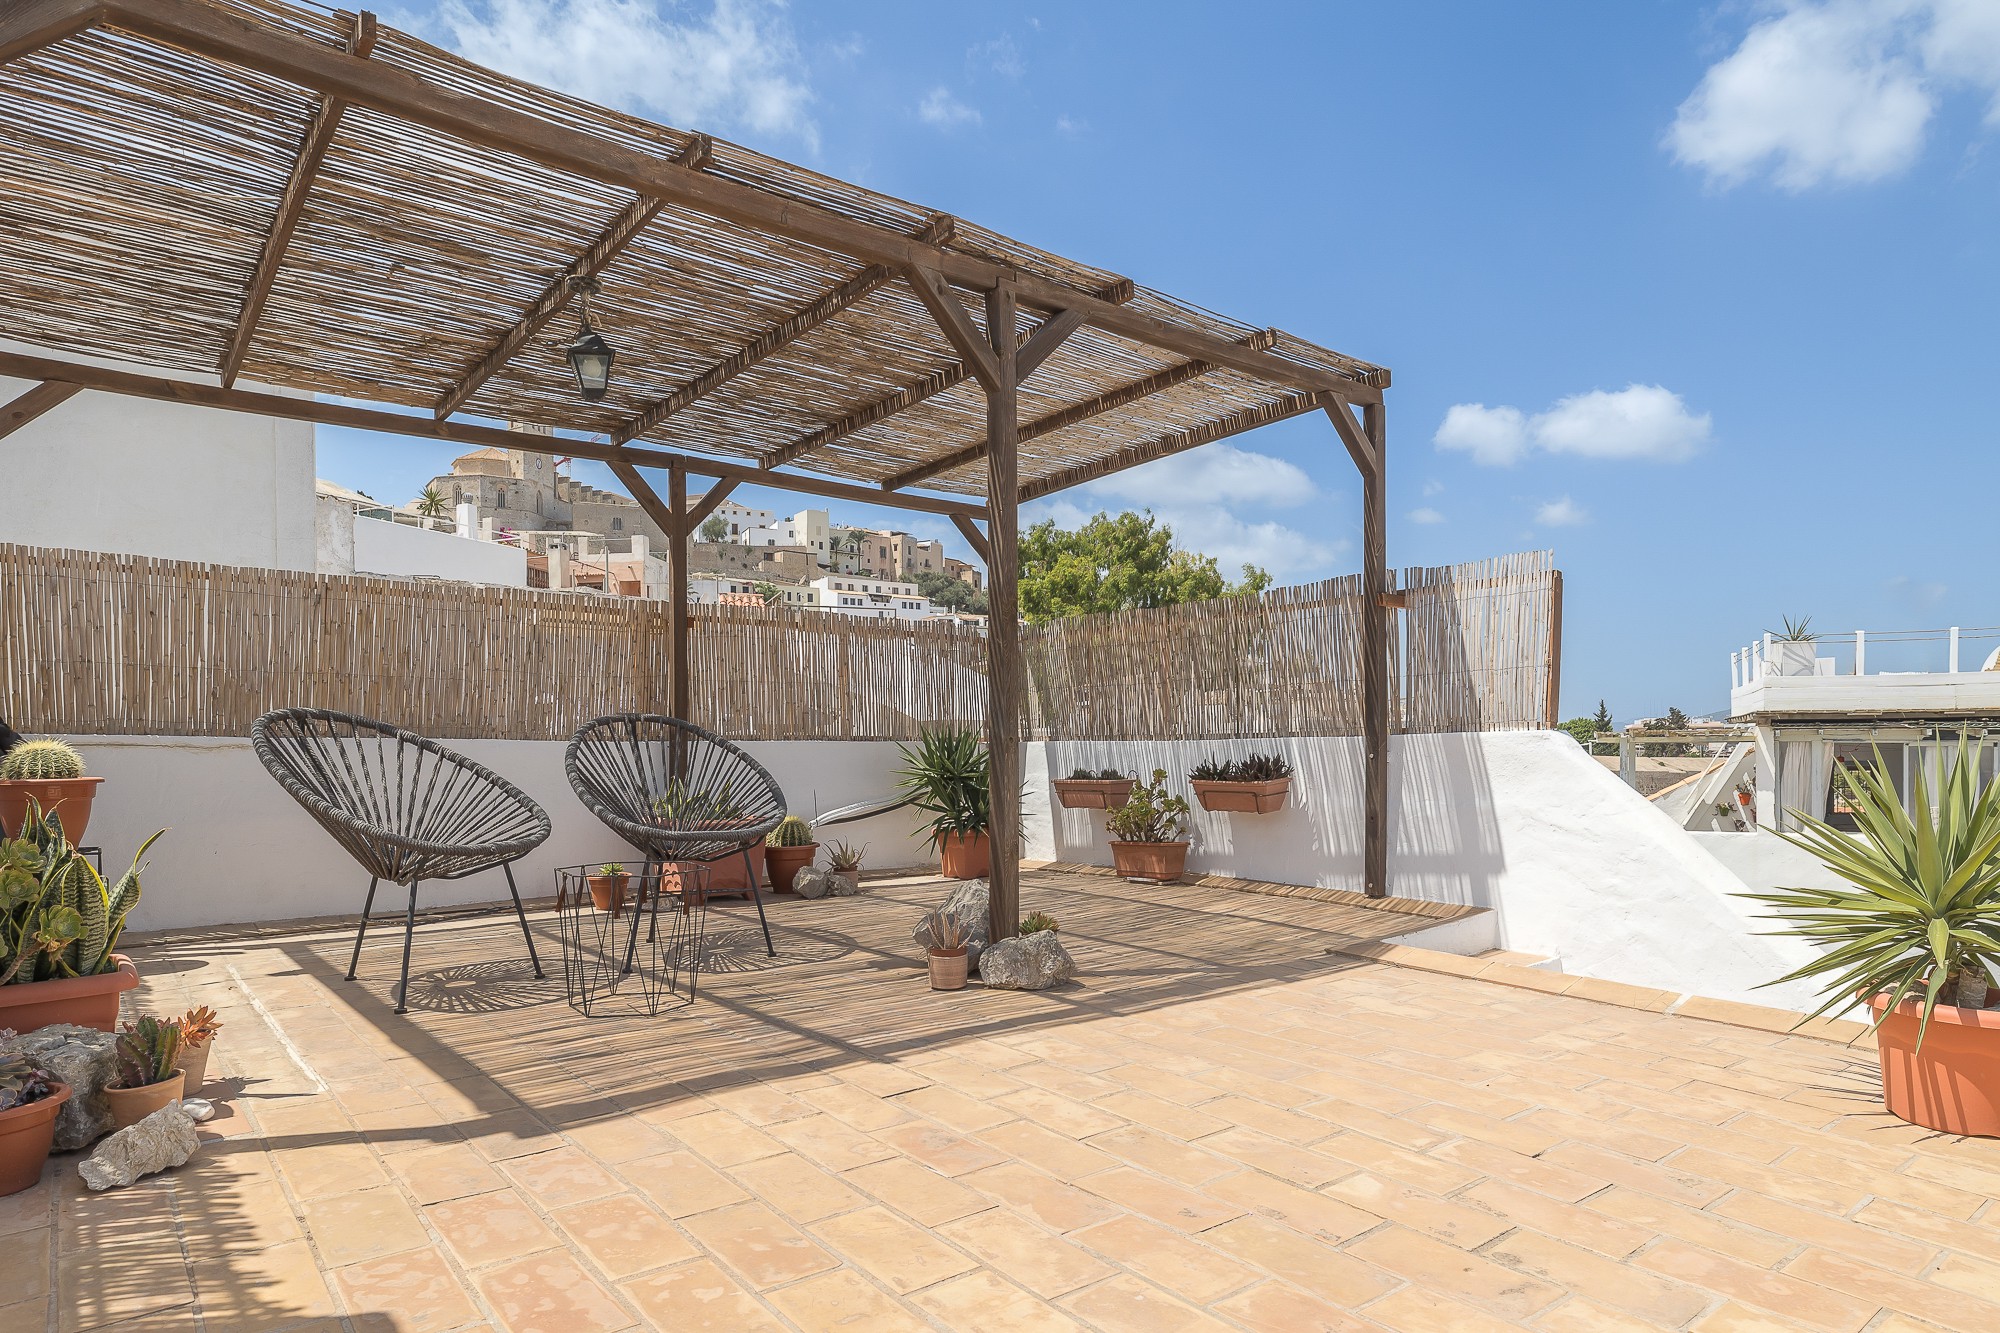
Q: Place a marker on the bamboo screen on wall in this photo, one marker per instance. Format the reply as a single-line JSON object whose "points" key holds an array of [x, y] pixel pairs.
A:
{"points": [[99, 644]]}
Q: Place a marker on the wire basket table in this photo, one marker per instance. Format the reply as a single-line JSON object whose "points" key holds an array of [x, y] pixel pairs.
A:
{"points": [[632, 939]]}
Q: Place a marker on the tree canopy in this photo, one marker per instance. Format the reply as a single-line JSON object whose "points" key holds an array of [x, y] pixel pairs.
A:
{"points": [[715, 528], [948, 592], [1117, 564]]}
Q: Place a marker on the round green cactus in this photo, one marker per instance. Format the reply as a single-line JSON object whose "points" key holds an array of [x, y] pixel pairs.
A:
{"points": [[41, 761], [794, 832]]}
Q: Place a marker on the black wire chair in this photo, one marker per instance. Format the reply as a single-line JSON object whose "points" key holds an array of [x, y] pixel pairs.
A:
{"points": [[676, 792], [405, 807]]}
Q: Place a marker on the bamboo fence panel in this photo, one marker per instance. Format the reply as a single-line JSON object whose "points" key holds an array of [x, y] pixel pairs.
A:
{"points": [[1477, 644]]}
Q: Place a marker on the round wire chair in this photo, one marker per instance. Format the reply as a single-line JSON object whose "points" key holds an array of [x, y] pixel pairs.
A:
{"points": [[403, 806], [675, 791]]}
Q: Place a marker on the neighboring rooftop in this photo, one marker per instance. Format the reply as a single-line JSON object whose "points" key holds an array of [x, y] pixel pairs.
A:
{"points": [[1935, 674]]}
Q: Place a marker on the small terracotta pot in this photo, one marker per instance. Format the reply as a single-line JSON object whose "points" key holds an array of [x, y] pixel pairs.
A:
{"points": [[1953, 1083], [607, 892], [851, 878], [948, 970], [90, 1002], [1154, 862], [131, 1105], [1093, 793], [726, 874], [26, 1134], [963, 857], [1247, 798], [68, 797], [194, 1066], [784, 864]]}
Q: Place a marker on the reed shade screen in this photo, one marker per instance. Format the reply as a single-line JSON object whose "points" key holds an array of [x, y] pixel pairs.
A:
{"points": [[97, 644], [143, 181]]}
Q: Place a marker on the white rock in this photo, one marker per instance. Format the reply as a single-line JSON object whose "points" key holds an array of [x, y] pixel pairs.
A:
{"points": [[1027, 962], [202, 1109], [164, 1139]]}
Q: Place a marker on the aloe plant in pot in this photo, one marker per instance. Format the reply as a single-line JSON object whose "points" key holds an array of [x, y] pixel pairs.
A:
{"points": [[1916, 936], [944, 774]]}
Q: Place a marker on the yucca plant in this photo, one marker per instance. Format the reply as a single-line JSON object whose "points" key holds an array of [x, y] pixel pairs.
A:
{"points": [[1923, 915], [944, 773]]}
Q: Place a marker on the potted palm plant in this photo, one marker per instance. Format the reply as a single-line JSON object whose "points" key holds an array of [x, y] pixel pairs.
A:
{"points": [[1100, 789], [788, 849], [945, 776], [1256, 785], [1915, 937], [1149, 839], [29, 1101], [48, 774], [149, 1070]]}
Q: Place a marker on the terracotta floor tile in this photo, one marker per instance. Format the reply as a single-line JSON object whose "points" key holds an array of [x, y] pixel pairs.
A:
{"points": [[451, 1172], [104, 1278], [29, 1209], [1037, 1259], [1169, 1118], [1302, 1210], [500, 1136], [1812, 1226], [560, 1177], [797, 1188], [983, 1301], [1418, 1310], [1166, 1258], [416, 1288], [1273, 1307], [1059, 1114], [953, 1109], [1054, 1205], [756, 1242], [1454, 1223], [1306, 1262], [620, 1138], [1734, 1318], [831, 1144], [1603, 1280], [348, 1228], [853, 1106], [1063, 1158], [1166, 1156], [622, 1235], [24, 1265], [551, 1293], [1866, 1282], [1124, 1304], [1580, 1315], [1182, 1209], [332, 1168], [725, 1139], [1579, 1224], [917, 1191], [249, 1293], [681, 1183], [904, 1256], [1299, 1166], [699, 1297], [489, 1228], [1794, 1298], [843, 1299], [1444, 1268]]}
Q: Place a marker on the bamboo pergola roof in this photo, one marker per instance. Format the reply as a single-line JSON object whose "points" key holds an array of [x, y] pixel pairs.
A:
{"points": [[311, 201]]}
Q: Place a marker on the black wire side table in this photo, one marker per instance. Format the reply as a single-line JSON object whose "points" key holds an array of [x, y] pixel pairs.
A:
{"points": [[637, 944]]}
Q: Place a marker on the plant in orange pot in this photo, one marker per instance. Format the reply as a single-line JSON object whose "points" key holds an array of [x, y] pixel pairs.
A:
{"points": [[945, 777], [607, 887], [788, 849], [1149, 839], [149, 1070], [49, 775], [1256, 785], [29, 1102], [1915, 938], [945, 950]]}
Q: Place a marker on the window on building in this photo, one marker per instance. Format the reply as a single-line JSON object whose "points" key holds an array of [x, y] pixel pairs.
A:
{"points": [[501, 503], [618, 525]]}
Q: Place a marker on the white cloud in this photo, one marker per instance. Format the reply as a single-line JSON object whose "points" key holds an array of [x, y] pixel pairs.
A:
{"points": [[1071, 125], [1640, 421], [1836, 91], [1426, 515], [734, 67], [1563, 513], [1000, 55], [1221, 474], [1433, 487], [942, 109]]}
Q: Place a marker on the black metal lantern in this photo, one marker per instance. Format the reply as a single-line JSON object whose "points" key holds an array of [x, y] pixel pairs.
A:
{"points": [[590, 357]]}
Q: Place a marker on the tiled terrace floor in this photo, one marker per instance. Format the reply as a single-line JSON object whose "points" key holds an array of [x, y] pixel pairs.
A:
{"points": [[1222, 1126]]}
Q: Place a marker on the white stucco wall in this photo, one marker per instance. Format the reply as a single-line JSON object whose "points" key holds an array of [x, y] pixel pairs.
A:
{"points": [[107, 473], [1575, 865], [401, 550], [239, 849], [1763, 860]]}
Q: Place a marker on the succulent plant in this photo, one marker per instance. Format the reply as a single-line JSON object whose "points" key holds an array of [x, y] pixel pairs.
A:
{"points": [[1254, 768], [943, 933], [611, 869], [844, 857], [199, 1026], [21, 1083], [792, 832], [58, 918], [149, 1051], [41, 761], [1037, 921], [1151, 815]]}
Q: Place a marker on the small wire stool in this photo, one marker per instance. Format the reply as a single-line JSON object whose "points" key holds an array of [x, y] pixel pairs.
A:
{"points": [[636, 948]]}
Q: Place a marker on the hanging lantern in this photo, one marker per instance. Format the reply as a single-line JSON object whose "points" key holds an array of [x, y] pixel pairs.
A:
{"points": [[590, 357]]}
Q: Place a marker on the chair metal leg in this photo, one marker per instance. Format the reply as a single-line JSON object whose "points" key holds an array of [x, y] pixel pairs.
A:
{"points": [[366, 907], [409, 929], [522, 913], [758, 898]]}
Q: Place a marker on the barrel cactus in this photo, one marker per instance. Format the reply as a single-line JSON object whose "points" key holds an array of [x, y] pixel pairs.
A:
{"points": [[41, 761], [793, 832]]}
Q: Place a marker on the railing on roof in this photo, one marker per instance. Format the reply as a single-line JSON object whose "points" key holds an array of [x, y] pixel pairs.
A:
{"points": [[1867, 652]]}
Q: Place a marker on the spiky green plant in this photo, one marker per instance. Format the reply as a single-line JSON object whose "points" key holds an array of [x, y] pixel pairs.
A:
{"points": [[41, 761], [844, 857], [1036, 921], [944, 774], [1795, 631], [1924, 909], [791, 832], [21, 1083], [58, 918], [149, 1051], [611, 869]]}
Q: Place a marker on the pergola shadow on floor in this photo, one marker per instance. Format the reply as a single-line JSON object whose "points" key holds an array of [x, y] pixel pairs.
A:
{"points": [[318, 203]]}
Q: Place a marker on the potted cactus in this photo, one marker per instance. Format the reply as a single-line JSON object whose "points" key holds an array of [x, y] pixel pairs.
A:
{"points": [[1253, 786], [50, 774], [29, 1101], [198, 1028], [59, 926], [788, 849], [1102, 789], [607, 887], [844, 859], [1149, 833], [944, 948], [149, 1071]]}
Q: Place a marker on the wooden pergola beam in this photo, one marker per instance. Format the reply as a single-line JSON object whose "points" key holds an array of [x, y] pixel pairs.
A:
{"points": [[1005, 672], [289, 408], [210, 31], [1354, 435], [34, 24], [974, 538], [766, 344], [955, 322], [648, 499], [1174, 442], [711, 502], [291, 207], [620, 232], [32, 403], [1109, 401]]}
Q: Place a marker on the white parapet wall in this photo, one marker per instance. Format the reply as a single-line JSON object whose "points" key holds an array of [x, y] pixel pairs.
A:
{"points": [[403, 550], [239, 850], [1575, 865]]}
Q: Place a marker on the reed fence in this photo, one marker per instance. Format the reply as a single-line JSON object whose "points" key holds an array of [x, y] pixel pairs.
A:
{"points": [[101, 644]]}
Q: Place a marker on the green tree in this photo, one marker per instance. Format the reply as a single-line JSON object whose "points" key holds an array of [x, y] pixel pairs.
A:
{"points": [[770, 592], [432, 504], [950, 593], [1604, 727], [1117, 564], [715, 529], [1582, 729], [1675, 720]]}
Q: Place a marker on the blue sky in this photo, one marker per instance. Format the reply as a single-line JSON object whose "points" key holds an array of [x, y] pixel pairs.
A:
{"points": [[1703, 297]]}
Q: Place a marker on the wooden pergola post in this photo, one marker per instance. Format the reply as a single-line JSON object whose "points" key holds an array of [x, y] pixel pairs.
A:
{"points": [[1003, 618], [1375, 648], [677, 593]]}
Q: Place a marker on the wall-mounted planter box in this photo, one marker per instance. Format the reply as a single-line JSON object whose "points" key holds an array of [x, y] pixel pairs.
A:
{"points": [[1093, 793], [1246, 798]]}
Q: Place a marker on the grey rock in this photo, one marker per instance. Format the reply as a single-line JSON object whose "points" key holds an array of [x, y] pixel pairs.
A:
{"points": [[812, 883], [843, 886], [966, 904], [84, 1058], [1027, 962], [164, 1139]]}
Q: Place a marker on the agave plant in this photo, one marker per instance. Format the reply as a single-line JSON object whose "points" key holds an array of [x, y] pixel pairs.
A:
{"points": [[1923, 913], [944, 774]]}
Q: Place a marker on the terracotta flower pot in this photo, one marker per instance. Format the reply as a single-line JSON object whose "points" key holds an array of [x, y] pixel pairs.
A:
{"points": [[727, 876], [784, 863], [963, 857], [607, 892], [131, 1105], [26, 1134], [1157, 862], [1247, 798], [948, 970], [194, 1065], [90, 1002], [68, 797], [1953, 1083], [1093, 793]]}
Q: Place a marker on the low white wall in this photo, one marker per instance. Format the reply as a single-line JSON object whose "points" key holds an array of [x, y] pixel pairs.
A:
{"points": [[239, 849], [1575, 865], [1763, 860], [403, 551]]}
